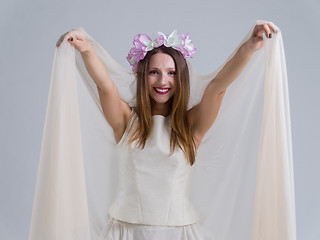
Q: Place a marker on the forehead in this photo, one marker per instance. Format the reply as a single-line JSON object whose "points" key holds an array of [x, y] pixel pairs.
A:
{"points": [[161, 60]]}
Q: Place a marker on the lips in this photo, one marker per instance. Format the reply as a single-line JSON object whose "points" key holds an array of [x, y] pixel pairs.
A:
{"points": [[162, 90]]}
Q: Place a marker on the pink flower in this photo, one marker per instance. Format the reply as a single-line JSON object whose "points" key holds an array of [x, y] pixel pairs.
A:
{"points": [[143, 43]]}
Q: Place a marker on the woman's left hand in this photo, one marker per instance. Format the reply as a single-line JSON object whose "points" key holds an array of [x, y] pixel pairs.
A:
{"points": [[255, 42]]}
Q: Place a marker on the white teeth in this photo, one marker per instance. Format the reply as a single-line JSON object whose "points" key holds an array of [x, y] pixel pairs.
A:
{"points": [[162, 90]]}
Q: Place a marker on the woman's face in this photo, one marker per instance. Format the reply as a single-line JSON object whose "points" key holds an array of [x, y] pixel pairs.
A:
{"points": [[161, 77]]}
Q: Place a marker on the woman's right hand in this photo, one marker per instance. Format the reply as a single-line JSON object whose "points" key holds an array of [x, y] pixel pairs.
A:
{"points": [[76, 38]]}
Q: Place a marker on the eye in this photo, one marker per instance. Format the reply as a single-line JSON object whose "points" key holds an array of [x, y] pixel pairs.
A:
{"points": [[172, 73], [153, 72]]}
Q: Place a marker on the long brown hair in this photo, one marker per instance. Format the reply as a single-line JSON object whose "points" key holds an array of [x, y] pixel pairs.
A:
{"points": [[181, 133]]}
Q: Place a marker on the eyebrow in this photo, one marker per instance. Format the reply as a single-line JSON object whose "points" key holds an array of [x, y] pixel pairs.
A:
{"points": [[158, 68]]}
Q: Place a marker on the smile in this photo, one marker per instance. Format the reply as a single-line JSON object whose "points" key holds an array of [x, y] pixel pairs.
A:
{"points": [[162, 90]]}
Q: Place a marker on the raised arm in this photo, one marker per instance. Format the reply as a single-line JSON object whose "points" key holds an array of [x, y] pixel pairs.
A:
{"points": [[202, 116], [116, 111]]}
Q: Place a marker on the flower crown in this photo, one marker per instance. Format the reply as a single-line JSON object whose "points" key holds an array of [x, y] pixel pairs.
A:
{"points": [[143, 43]]}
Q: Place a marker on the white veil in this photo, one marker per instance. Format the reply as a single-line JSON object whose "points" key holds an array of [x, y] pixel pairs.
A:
{"points": [[242, 183]]}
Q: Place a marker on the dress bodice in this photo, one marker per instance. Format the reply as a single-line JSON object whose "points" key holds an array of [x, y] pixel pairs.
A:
{"points": [[153, 187]]}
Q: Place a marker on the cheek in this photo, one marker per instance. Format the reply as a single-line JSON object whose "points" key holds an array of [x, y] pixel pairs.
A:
{"points": [[152, 80], [150, 83], [174, 83]]}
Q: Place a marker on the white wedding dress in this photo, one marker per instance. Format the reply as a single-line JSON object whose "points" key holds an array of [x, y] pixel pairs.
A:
{"points": [[241, 185], [152, 199]]}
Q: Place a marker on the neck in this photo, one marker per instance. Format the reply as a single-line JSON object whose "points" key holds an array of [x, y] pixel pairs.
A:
{"points": [[163, 109]]}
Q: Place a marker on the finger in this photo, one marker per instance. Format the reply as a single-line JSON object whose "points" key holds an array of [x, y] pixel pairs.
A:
{"points": [[76, 33], [263, 29], [74, 38], [270, 27], [74, 41], [71, 39], [267, 30], [67, 36], [260, 31], [73, 34], [274, 27]]}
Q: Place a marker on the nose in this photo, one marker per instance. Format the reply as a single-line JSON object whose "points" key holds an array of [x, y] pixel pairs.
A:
{"points": [[163, 78]]}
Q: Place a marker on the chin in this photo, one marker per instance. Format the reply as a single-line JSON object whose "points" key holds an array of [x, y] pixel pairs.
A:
{"points": [[162, 100]]}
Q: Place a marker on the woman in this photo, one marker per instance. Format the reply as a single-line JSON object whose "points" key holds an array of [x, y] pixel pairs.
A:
{"points": [[163, 89], [240, 184]]}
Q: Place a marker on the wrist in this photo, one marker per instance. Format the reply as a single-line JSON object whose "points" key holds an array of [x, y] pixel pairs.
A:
{"points": [[246, 48]]}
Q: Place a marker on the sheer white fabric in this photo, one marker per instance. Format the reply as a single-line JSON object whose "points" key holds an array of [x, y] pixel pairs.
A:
{"points": [[242, 182]]}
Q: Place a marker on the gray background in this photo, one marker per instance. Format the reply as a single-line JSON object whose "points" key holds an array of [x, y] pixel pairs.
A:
{"points": [[29, 30]]}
